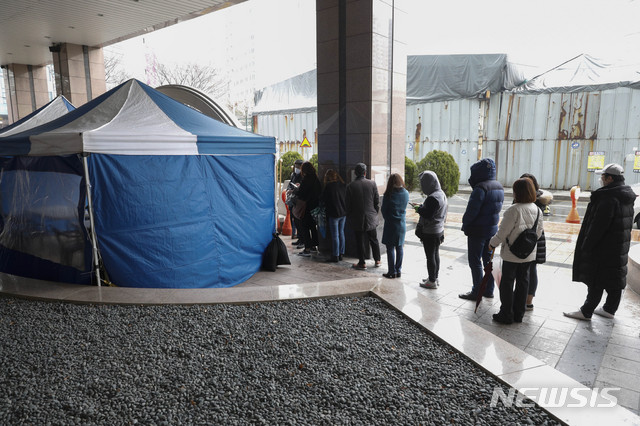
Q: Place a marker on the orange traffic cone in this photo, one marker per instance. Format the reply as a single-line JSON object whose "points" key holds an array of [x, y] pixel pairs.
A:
{"points": [[573, 216], [286, 226]]}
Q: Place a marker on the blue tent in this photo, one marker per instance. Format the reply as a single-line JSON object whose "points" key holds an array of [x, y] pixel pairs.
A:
{"points": [[178, 200]]}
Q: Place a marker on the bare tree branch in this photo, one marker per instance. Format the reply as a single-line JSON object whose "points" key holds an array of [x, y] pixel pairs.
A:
{"points": [[205, 78]]}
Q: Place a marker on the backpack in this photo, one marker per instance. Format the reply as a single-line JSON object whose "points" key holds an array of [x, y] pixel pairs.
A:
{"points": [[523, 246]]}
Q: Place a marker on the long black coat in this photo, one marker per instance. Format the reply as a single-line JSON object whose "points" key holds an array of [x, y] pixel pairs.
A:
{"points": [[602, 248], [363, 204]]}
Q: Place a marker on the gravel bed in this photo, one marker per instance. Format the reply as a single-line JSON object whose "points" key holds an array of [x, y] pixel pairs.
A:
{"points": [[330, 361]]}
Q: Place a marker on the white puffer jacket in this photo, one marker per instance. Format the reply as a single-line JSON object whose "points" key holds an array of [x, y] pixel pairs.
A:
{"points": [[516, 218]]}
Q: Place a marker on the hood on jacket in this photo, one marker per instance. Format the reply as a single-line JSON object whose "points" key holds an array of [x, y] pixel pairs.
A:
{"points": [[429, 182], [482, 170], [619, 190]]}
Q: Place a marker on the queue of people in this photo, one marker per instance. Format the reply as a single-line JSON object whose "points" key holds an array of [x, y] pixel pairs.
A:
{"points": [[601, 253]]}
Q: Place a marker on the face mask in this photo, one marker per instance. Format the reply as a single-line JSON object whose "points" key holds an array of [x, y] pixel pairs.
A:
{"points": [[296, 171]]}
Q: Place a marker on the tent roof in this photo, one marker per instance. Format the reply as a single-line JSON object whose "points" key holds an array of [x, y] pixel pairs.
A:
{"points": [[52, 110], [135, 119]]}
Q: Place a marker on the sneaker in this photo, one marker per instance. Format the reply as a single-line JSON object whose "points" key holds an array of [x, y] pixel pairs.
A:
{"points": [[429, 284], [314, 249], [304, 254], [576, 315], [359, 266], [468, 296], [528, 307], [299, 245], [603, 313], [378, 264], [296, 243]]}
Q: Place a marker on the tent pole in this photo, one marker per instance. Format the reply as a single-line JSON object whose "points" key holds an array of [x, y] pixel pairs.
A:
{"points": [[275, 186], [94, 240]]}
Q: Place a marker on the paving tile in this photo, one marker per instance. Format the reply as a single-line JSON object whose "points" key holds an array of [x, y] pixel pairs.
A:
{"points": [[619, 378], [548, 358], [621, 364], [580, 363], [491, 328], [547, 345], [516, 337], [624, 330], [555, 335], [630, 342], [627, 398], [623, 352], [554, 324]]}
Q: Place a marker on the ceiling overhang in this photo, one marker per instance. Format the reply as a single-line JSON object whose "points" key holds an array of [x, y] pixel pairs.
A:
{"points": [[29, 27]]}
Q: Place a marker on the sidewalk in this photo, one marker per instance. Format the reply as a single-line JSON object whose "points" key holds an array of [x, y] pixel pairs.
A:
{"points": [[600, 353]]}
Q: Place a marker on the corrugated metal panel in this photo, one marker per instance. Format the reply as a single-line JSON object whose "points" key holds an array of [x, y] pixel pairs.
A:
{"points": [[289, 131], [549, 135]]}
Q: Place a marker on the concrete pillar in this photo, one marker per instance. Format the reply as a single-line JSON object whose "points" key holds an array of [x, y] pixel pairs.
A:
{"points": [[26, 89], [362, 68], [79, 72]]}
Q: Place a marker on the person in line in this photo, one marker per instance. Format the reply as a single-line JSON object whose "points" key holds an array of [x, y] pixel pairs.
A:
{"points": [[295, 179], [480, 221], [520, 216], [363, 205], [543, 199], [309, 192], [333, 196], [433, 213], [394, 208], [602, 248]]}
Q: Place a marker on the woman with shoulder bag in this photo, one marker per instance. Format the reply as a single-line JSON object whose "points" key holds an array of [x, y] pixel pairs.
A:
{"points": [[543, 199], [523, 215], [430, 228]]}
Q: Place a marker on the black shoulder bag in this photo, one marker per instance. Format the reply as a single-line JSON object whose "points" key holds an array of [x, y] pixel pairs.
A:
{"points": [[523, 246]]}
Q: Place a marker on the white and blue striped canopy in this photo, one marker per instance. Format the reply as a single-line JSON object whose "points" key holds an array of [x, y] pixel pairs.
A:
{"points": [[134, 119], [52, 110]]}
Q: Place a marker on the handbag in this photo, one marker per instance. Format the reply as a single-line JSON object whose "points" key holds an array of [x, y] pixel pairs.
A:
{"points": [[523, 246], [320, 216], [299, 209], [419, 231]]}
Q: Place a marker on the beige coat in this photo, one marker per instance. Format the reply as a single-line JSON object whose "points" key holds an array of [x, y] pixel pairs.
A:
{"points": [[516, 219]]}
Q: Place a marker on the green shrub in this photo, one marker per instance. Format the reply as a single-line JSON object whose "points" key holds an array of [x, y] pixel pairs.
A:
{"points": [[314, 160], [286, 167], [410, 174], [445, 167]]}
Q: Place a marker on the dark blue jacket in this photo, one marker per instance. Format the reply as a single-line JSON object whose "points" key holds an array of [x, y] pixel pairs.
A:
{"points": [[485, 203]]}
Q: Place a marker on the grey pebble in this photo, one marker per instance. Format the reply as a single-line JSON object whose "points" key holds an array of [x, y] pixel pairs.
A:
{"points": [[329, 361]]}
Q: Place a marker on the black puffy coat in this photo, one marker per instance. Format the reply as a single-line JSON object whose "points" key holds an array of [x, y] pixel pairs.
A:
{"points": [[602, 247]]}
